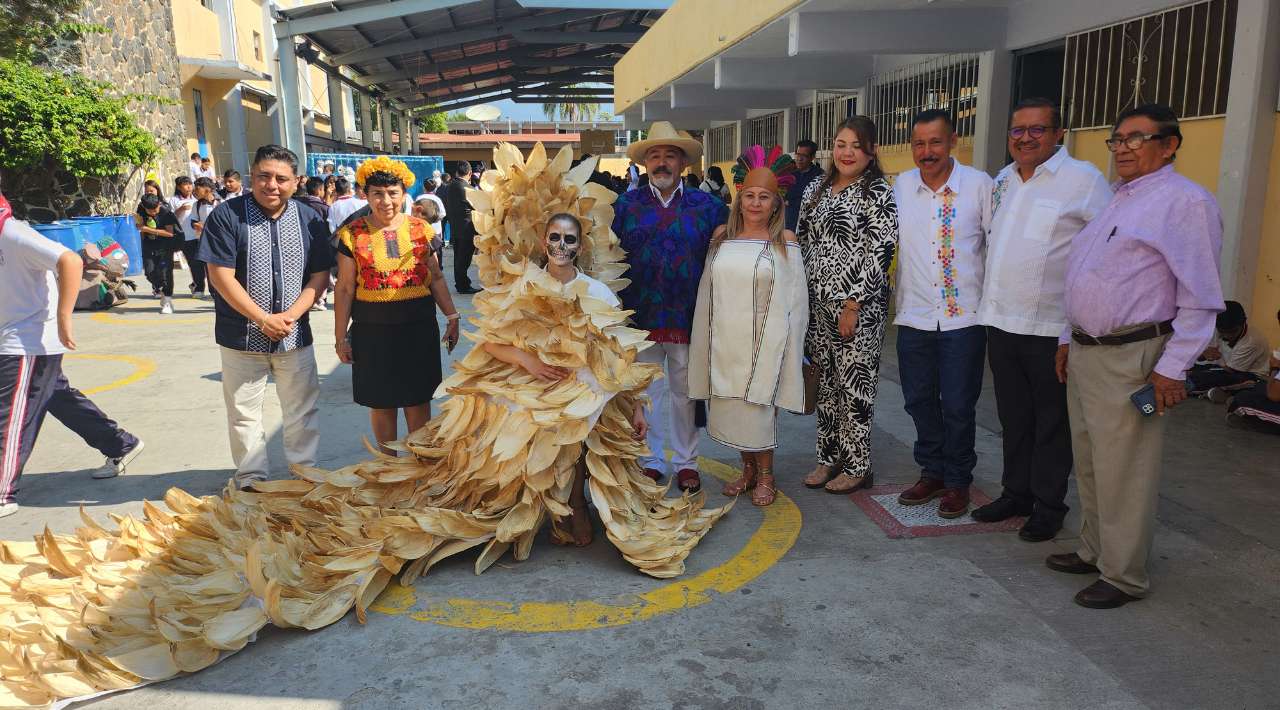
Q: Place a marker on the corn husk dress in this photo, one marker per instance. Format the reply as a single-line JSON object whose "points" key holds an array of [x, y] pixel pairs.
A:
{"points": [[143, 599]]}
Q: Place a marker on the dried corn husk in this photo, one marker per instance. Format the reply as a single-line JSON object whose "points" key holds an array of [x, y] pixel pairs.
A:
{"points": [[168, 592]]}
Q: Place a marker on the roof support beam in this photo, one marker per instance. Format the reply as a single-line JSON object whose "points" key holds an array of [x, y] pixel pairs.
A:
{"points": [[612, 4], [450, 39], [553, 37], [519, 55], [497, 93], [513, 72], [524, 99], [791, 72], [895, 31], [689, 117], [360, 15], [700, 95]]}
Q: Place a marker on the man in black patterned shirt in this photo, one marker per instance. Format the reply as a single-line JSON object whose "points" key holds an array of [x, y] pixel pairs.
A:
{"points": [[268, 258]]}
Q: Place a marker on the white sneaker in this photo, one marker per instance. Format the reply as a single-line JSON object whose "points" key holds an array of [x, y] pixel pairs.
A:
{"points": [[166, 305], [114, 467], [8, 509], [319, 306], [246, 483]]}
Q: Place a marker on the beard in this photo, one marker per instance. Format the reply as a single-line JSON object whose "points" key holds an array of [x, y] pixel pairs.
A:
{"points": [[662, 181]]}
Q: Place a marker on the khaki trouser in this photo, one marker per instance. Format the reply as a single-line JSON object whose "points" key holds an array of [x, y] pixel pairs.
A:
{"points": [[1117, 457], [244, 386]]}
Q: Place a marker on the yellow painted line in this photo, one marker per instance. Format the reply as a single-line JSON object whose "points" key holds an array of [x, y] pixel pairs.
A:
{"points": [[113, 319], [767, 545], [142, 369]]}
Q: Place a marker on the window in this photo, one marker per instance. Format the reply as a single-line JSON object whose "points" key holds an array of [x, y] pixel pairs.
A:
{"points": [[197, 107], [803, 124], [765, 130], [949, 82], [831, 108], [722, 143], [207, 4], [1179, 57], [257, 46]]}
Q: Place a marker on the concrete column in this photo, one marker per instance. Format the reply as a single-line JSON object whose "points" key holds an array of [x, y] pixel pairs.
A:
{"points": [[407, 133], [995, 83], [384, 126], [289, 98], [1247, 136], [366, 125], [240, 156], [337, 111]]}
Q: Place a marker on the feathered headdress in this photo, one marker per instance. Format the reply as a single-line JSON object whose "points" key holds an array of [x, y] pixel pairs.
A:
{"points": [[777, 162]]}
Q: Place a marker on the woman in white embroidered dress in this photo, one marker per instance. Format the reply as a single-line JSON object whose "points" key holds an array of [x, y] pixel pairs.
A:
{"points": [[747, 345]]}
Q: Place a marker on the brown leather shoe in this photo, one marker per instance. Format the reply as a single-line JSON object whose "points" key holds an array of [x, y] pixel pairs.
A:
{"points": [[1070, 563], [1101, 595], [955, 502], [925, 490]]}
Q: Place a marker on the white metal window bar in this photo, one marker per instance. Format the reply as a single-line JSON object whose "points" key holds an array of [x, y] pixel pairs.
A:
{"points": [[948, 82]]}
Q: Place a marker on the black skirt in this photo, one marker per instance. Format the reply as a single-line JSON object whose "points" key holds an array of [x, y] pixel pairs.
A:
{"points": [[395, 365]]}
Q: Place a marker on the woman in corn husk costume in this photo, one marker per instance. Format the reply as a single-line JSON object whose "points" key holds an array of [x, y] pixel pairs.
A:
{"points": [[111, 607]]}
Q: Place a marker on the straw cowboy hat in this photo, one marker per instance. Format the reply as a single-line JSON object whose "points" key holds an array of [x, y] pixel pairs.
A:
{"points": [[663, 133]]}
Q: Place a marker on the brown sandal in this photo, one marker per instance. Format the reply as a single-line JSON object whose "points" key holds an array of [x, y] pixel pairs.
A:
{"points": [[764, 493], [832, 472], [687, 481], [863, 481], [744, 482]]}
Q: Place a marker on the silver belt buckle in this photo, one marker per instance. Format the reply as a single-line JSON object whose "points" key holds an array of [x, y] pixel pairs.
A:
{"points": [[1076, 332]]}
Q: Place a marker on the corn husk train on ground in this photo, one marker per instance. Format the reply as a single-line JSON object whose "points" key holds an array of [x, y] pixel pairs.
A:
{"points": [[147, 598]]}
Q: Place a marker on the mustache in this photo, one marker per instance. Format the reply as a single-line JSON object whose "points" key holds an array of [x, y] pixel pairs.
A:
{"points": [[661, 171]]}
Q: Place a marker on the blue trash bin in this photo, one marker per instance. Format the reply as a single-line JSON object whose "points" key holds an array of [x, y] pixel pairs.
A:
{"points": [[131, 240], [64, 234]]}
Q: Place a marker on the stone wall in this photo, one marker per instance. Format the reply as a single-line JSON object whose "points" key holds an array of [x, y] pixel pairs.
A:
{"points": [[136, 55]]}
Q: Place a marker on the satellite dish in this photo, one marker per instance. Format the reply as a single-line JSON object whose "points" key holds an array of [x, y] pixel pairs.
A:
{"points": [[483, 112]]}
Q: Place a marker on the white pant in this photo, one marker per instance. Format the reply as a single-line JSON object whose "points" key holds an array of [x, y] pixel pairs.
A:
{"points": [[671, 412], [244, 384]]}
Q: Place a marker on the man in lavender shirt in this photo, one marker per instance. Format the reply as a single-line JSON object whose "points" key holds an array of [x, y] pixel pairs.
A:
{"points": [[1142, 294]]}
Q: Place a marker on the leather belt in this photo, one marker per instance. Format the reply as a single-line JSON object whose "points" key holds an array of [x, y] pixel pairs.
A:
{"points": [[1154, 330]]}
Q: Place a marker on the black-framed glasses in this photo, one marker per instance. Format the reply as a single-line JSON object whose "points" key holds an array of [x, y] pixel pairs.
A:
{"points": [[1133, 141], [1037, 131]]}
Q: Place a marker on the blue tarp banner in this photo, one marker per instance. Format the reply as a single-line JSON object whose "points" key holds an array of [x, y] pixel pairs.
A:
{"points": [[423, 166]]}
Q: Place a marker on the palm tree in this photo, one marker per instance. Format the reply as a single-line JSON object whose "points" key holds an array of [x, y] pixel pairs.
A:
{"points": [[570, 111]]}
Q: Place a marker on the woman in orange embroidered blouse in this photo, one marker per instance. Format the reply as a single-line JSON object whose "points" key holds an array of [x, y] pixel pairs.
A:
{"points": [[389, 286]]}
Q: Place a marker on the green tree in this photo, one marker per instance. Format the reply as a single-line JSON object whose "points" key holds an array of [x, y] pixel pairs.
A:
{"points": [[570, 110], [68, 122], [456, 117], [433, 122]]}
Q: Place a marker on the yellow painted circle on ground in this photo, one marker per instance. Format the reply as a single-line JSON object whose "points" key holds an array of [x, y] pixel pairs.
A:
{"points": [[113, 319], [142, 369], [767, 545]]}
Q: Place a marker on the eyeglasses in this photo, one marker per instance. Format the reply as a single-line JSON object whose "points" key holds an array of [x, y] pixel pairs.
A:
{"points": [[1133, 141], [1017, 132]]}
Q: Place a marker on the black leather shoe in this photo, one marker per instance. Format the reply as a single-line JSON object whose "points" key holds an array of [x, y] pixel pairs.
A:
{"points": [[1040, 528], [1070, 563], [1001, 508], [1101, 595], [468, 291]]}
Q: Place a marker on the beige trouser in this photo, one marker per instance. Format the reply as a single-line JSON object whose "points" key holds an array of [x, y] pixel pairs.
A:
{"points": [[1117, 457], [244, 386]]}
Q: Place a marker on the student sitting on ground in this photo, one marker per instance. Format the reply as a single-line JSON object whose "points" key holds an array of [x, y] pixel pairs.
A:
{"points": [[1258, 407], [1239, 360]]}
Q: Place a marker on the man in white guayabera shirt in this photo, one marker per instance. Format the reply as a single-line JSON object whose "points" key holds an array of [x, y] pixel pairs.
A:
{"points": [[1040, 201]]}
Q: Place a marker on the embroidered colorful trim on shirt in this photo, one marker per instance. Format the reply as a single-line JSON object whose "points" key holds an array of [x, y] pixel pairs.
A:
{"points": [[998, 193], [947, 252]]}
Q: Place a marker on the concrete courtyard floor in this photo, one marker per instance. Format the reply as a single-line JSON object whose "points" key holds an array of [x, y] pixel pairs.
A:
{"points": [[847, 617]]}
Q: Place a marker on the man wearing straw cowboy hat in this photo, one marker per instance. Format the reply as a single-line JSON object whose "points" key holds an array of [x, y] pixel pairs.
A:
{"points": [[665, 230]]}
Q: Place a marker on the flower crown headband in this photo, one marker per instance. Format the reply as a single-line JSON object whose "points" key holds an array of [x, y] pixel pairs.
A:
{"points": [[383, 164]]}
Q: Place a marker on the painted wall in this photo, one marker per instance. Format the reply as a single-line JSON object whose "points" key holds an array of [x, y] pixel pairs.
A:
{"points": [[196, 31], [216, 129], [688, 34], [1199, 158], [1266, 286], [258, 130]]}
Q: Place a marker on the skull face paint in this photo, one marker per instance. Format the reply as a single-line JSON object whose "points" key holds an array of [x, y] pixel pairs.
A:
{"points": [[562, 242]]}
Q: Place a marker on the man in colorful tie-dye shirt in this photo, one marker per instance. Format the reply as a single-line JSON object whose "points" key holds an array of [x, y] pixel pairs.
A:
{"points": [[665, 230]]}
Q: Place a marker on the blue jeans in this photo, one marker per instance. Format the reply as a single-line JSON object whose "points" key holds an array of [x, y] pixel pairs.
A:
{"points": [[941, 373]]}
